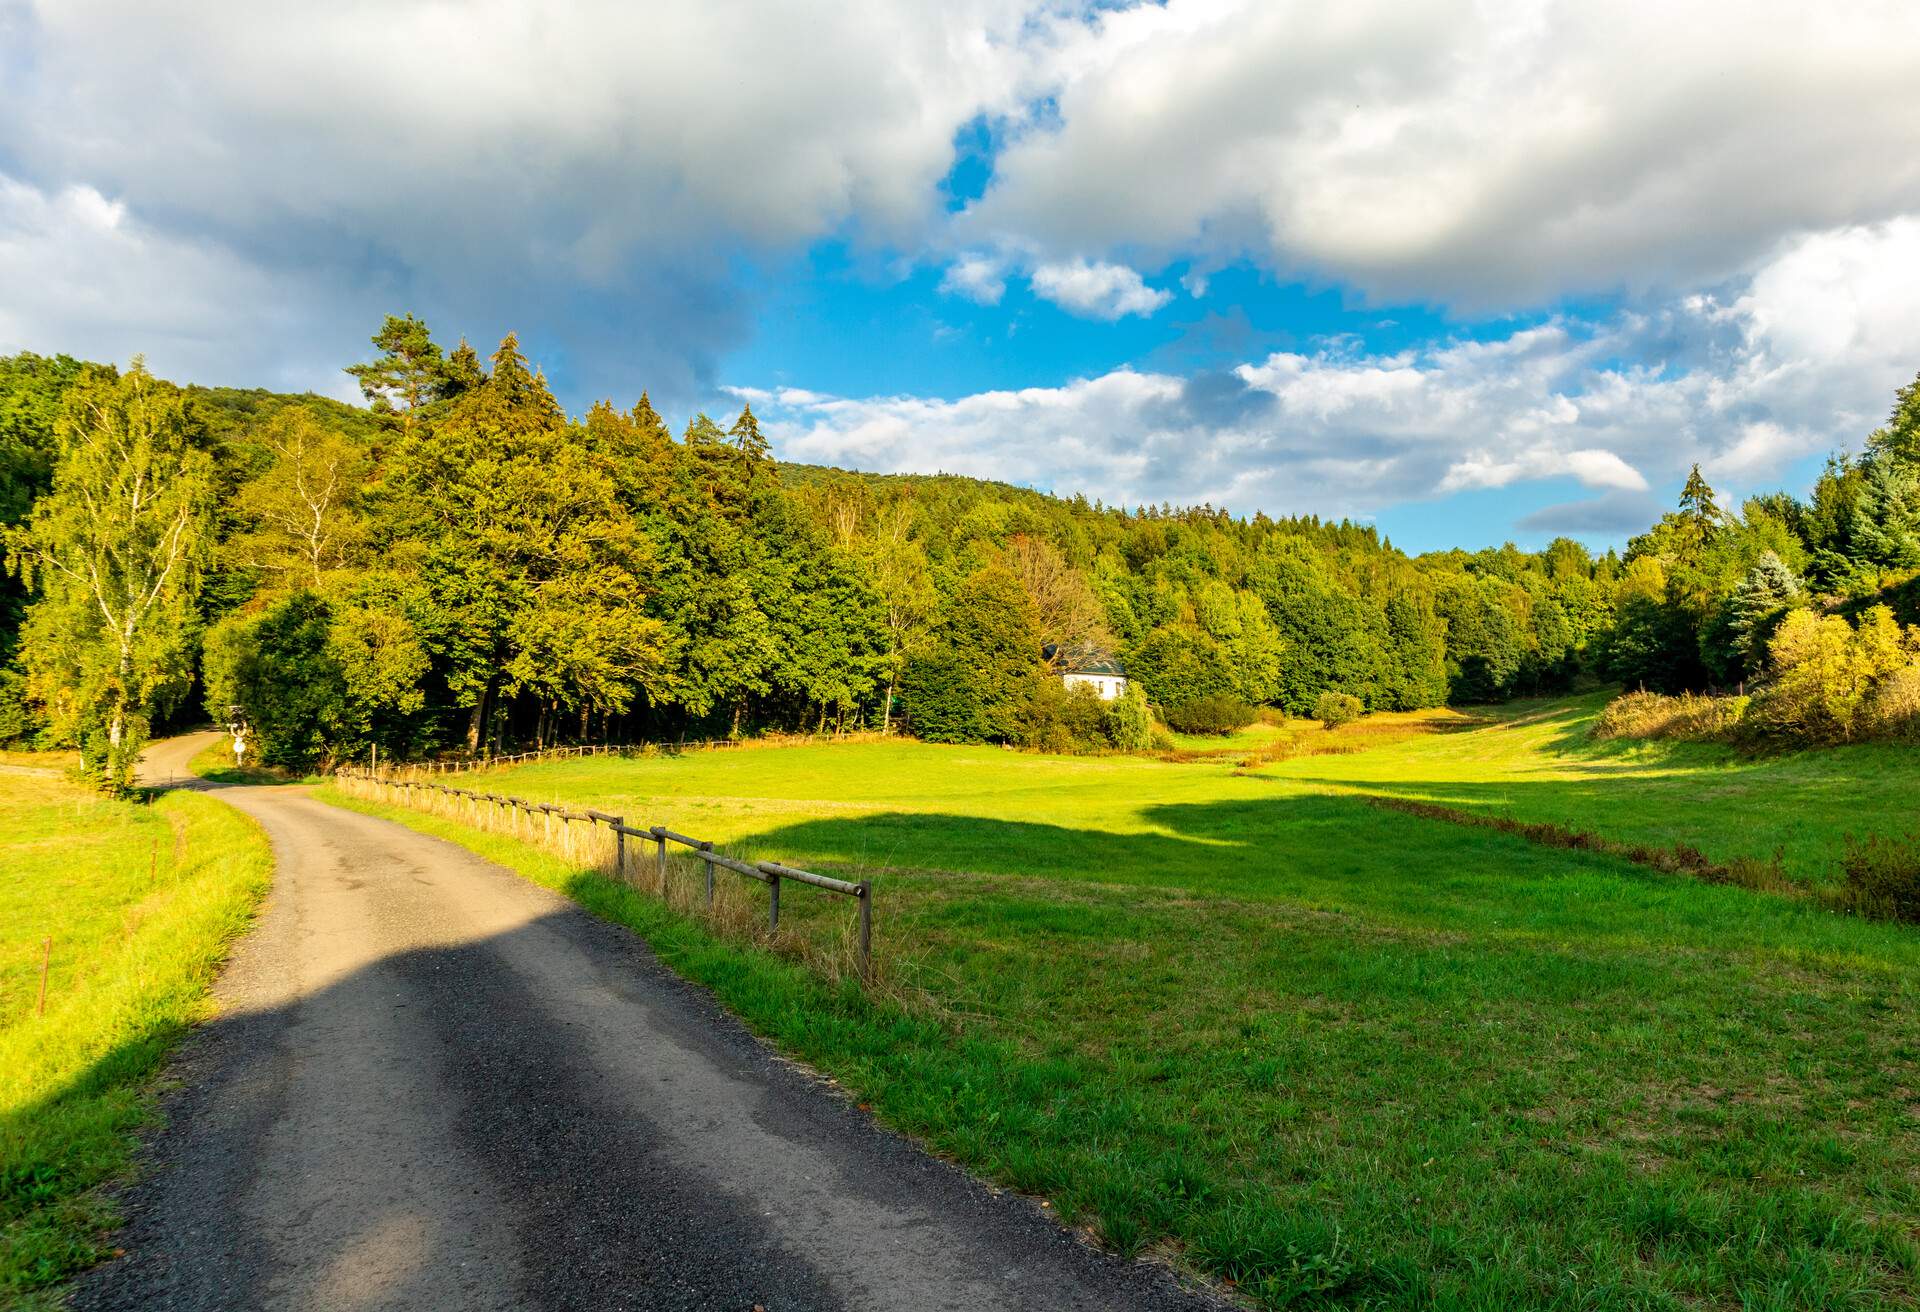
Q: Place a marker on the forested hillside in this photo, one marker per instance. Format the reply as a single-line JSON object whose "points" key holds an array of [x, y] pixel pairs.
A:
{"points": [[461, 564]]}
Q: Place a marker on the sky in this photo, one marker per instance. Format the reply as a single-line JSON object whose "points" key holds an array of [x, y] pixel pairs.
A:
{"points": [[1470, 270]]}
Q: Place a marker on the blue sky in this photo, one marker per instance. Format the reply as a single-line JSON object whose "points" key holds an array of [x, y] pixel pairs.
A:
{"points": [[1472, 271]]}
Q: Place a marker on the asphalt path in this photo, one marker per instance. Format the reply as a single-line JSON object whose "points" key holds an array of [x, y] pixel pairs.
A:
{"points": [[434, 1085]]}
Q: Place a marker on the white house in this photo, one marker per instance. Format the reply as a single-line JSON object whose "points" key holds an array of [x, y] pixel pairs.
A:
{"points": [[1101, 673]]}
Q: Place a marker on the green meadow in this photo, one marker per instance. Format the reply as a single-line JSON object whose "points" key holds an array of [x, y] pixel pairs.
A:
{"points": [[140, 902], [1231, 1013]]}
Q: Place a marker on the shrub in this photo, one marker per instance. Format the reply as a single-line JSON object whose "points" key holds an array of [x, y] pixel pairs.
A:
{"points": [[1881, 878], [1162, 741], [1129, 722], [1064, 720], [1688, 717], [1823, 670], [1893, 708], [1334, 709], [1218, 713]]}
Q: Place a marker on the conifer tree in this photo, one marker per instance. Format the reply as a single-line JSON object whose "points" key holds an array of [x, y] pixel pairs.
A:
{"points": [[747, 440], [1757, 606], [410, 373], [1886, 515]]}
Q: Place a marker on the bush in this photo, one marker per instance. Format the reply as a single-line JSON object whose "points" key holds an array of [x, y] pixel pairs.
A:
{"points": [[1064, 720], [1334, 709], [1688, 717], [1216, 713], [1823, 670], [1893, 708], [1129, 722], [1881, 878]]}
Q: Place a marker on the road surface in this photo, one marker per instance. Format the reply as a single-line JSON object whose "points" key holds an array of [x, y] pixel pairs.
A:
{"points": [[434, 1085]]}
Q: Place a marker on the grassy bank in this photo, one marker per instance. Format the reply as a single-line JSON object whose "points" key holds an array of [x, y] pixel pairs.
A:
{"points": [[1536, 763], [1333, 1053], [141, 902]]}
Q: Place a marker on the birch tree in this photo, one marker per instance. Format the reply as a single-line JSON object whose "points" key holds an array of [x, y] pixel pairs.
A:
{"points": [[116, 550], [303, 522]]}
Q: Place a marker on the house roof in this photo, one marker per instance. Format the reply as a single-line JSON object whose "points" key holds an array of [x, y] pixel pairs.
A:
{"points": [[1085, 660]]}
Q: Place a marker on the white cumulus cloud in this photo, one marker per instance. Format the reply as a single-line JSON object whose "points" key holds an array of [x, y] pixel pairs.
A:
{"points": [[1770, 371], [1097, 290], [1478, 152]]}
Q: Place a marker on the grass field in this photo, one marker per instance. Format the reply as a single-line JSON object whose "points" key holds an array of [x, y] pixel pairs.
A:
{"points": [[140, 902], [1341, 1055], [1535, 763]]}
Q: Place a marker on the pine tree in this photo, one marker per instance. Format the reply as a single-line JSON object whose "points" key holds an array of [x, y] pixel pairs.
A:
{"points": [[1886, 517], [1756, 607], [409, 374], [746, 439], [1698, 509], [649, 422], [462, 372], [1900, 439]]}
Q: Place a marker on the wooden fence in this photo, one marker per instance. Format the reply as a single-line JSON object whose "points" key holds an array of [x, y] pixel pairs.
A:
{"points": [[537, 820], [464, 764]]}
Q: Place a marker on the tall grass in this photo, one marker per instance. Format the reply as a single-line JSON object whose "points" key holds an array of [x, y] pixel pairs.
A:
{"points": [[141, 902]]}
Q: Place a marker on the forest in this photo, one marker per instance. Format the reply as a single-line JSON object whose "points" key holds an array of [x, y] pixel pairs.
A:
{"points": [[459, 566]]}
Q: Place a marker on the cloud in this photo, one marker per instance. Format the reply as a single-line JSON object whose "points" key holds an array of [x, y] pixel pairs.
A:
{"points": [[1477, 154], [1744, 382], [1613, 516], [591, 172], [86, 276], [1096, 290], [979, 278], [1593, 467]]}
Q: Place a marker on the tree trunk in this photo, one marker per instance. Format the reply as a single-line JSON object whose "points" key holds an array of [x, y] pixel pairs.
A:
{"points": [[583, 723], [477, 722], [739, 709], [886, 707], [540, 730]]}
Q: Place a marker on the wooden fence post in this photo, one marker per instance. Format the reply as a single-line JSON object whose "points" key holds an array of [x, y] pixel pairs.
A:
{"points": [[866, 930], [708, 848], [773, 903], [620, 847], [660, 837]]}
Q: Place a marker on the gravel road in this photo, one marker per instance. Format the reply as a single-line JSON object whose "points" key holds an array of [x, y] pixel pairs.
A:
{"points": [[434, 1085]]}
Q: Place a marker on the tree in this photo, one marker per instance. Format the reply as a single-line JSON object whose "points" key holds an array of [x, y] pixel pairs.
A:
{"points": [[910, 604], [1067, 618], [746, 439], [278, 666], [300, 517], [117, 549], [1886, 514], [1177, 664], [1899, 441], [410, 373], [1698, 509], [1755, 610], [973, 686], [33, 390]]}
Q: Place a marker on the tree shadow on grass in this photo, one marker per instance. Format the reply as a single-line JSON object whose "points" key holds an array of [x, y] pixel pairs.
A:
{"points": [[1328, 852]]}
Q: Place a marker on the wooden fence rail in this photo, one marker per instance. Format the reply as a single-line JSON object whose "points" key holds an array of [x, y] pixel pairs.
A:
{"points": [[771, 873], [465, 764]]}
